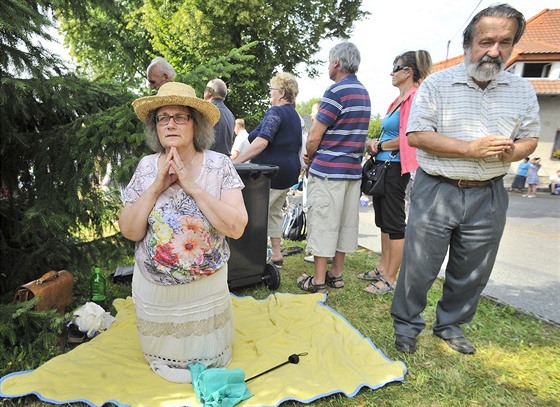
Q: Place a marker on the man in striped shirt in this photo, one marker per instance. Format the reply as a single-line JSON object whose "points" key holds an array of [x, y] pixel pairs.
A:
{"points": [[468, 123], [335, 146]]}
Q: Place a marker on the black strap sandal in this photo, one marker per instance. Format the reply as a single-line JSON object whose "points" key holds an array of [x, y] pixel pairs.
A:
{"points": [[305, 282], [334, 282], [385, 288], [373, 275]]}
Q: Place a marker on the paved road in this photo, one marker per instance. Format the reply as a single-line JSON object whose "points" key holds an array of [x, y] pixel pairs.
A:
{"points": [[527, 270]]}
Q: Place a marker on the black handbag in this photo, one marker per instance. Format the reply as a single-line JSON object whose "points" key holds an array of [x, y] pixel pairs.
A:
{"points": [[294, 225], [373, 176]]}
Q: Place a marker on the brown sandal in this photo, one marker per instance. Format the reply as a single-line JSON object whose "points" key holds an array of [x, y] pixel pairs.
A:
{"points": [[305, 282], [334, 282]]}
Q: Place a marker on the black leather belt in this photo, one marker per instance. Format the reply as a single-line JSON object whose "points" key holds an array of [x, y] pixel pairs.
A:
{"points": [[462, 183]]}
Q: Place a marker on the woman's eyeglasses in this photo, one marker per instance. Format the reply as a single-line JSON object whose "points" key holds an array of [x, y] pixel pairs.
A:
{"points": [[180, 118], [397, 68]]}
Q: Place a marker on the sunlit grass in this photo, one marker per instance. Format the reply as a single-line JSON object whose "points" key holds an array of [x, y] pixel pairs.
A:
{"points": [[517, 361]]}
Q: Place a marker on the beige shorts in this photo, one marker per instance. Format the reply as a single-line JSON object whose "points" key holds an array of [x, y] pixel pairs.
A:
{"points": [[332, 216], [276, 200]]}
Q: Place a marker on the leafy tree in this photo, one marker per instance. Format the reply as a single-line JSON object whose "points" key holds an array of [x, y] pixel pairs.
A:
{"points": [[58, 132], [21, 22], [58, 135], [304, 108], [244, 42], [374, 129]]}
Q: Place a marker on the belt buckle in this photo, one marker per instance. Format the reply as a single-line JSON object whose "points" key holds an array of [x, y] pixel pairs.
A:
{"points": [[459, 183]]}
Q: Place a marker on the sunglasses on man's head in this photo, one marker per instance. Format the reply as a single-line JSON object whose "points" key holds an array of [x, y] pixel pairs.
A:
{"points": [[397, 68]]}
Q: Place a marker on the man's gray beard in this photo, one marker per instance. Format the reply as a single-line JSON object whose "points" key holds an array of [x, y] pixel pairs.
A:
{"points": [[483, 71]]}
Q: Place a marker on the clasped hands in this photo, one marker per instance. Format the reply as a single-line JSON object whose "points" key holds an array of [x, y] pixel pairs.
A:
{"points": [[492, 146], [173, 171]]}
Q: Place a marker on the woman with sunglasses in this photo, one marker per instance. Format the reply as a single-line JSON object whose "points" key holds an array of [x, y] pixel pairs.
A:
{"points": [[409, 70], [179, 206]]}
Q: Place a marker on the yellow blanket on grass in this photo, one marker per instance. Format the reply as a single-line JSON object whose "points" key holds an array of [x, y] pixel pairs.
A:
{"points": [[111, 367]]}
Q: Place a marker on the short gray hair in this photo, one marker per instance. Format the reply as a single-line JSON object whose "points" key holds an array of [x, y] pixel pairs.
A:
{"points": [[163, 66], [220, 88], [347, 55], [203, 131], [497, 10]]}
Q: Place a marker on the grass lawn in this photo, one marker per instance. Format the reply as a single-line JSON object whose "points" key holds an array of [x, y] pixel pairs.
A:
{"points": [[517, 361]]}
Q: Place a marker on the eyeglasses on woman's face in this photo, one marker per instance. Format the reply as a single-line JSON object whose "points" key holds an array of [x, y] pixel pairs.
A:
{"points": [[397, 68], [179, 118]]}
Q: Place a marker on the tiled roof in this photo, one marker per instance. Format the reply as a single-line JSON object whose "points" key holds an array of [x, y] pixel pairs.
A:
{"points": [[438, 66], [546, 86], [542, 34], [540, 42]]}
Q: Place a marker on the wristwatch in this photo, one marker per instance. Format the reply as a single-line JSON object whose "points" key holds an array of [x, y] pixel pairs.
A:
{"points": [[379, 147]]}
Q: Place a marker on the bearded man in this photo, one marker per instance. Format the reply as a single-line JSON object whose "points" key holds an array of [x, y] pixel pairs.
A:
{"points": [[468, 122]]}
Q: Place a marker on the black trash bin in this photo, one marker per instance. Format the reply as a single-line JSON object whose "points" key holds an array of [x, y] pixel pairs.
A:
{"points": [[248, 260]]}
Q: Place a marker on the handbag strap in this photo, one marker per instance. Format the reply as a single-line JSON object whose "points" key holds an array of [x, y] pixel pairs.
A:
{"points": [[393, 155], [388, 160], [49, 275]]}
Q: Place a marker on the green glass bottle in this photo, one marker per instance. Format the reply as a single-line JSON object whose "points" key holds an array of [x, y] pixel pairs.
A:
{"points": [[98, 286]]}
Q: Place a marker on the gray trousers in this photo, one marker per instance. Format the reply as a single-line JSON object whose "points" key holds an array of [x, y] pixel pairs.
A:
{"points": [[468, 222]]}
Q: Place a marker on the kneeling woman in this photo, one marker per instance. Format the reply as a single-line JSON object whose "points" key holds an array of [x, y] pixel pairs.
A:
{"points": [[179, 206]]}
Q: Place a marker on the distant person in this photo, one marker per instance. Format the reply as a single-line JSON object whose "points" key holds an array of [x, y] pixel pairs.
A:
{"points": [[409, 70], [215, 92], [159, 72], [458, 202], [277, 141], [314, 111], [241, 142], [335, 146], [533, 178], [313, 117], [521, 176], [554, 183]]}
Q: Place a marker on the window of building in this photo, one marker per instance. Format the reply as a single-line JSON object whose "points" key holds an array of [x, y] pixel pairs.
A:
{"points": [[536, 70], [556, 147]]}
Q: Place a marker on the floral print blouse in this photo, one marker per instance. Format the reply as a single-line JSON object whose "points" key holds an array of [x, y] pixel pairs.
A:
{"points": [[180, 245]]}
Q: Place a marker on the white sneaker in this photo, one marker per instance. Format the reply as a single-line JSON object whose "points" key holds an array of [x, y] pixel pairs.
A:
{"points": [[311, 259]]}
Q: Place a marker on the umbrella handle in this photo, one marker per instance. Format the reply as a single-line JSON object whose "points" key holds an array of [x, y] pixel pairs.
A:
{"points": [[293, 358]]}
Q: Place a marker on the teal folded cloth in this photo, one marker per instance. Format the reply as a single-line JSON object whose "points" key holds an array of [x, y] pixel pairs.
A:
{"points": [[218, 387]]}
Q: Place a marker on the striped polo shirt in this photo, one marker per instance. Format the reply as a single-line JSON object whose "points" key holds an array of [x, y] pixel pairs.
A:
{"points": [[450, 103], [345, 108]]}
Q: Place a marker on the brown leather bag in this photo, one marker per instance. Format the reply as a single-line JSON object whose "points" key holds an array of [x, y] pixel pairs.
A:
{"points": [[54, 288]]}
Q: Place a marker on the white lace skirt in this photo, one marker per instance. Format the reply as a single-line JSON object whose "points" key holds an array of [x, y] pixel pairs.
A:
{"points": [[181, 324]]}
